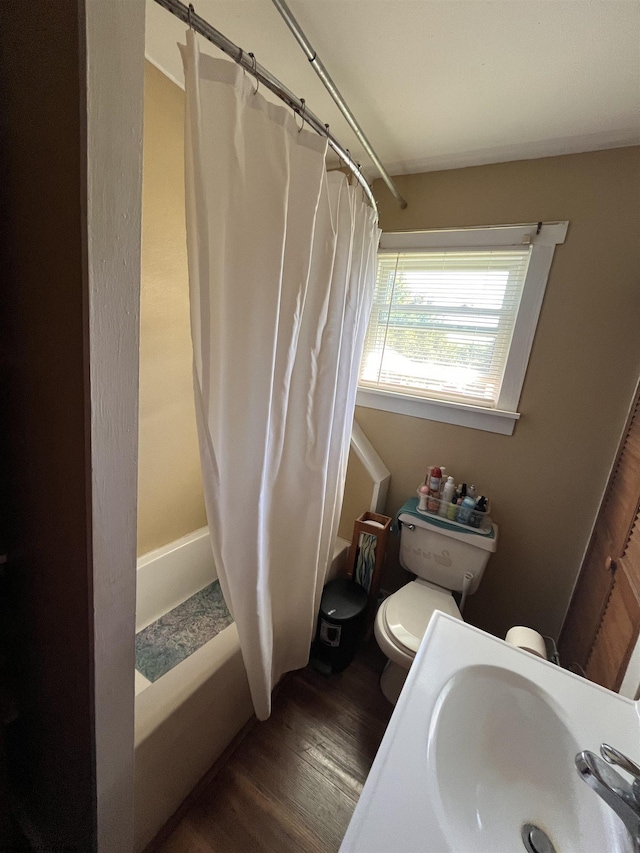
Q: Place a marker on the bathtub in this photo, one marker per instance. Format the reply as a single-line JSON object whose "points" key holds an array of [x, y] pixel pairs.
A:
{"points": [[186, 719]]}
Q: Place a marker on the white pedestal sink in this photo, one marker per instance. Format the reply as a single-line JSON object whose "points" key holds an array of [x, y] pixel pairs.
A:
{"points": [[483, 741]]}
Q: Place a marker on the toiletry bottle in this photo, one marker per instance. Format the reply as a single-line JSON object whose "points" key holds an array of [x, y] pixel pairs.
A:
{"points": [[443, 476], [423, 494], [477, 516], [466, 508], [433, 501], [452, 509], [447, 495], [471, 491], [463, 491]]}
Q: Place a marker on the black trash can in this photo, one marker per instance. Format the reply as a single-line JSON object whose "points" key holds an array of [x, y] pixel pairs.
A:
{"points": [[341, 625]]}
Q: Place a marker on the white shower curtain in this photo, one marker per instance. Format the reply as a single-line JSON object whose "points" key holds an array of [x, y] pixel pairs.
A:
{"points": [[281, 274]]}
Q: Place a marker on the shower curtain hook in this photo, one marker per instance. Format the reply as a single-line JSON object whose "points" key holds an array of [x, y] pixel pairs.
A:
{"points": [[239, 59], [304, 109], [348, 162], [190, 11], [254, 72]]}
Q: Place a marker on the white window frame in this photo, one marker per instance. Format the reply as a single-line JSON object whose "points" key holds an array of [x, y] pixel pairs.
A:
{"points": [[543, 238]]}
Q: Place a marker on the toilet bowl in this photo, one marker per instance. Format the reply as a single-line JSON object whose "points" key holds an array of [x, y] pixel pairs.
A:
{"points": [[400, 625], [440, 553]]}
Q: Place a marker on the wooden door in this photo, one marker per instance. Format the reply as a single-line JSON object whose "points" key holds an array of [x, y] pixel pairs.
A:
{"points": [[588, 603], [600, 598], [617, 633]]}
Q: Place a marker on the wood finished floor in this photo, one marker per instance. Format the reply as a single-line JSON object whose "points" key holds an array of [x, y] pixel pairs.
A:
{"points": [[293, 782]]}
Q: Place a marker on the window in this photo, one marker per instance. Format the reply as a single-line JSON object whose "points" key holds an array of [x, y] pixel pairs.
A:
{"points": [[453, 320]]}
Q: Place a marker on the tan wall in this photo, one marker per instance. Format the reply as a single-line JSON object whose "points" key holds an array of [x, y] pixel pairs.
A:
{"points": [[357, 495], [547, 479], [170, 502]]}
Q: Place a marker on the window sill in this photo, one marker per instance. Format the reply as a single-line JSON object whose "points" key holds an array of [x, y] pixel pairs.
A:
{"points": [[460, 414]]}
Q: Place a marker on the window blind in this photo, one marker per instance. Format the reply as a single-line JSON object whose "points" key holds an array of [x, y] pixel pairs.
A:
{"points": [[442, 322]]}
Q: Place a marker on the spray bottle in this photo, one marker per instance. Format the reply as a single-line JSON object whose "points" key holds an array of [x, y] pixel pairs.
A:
{"points": [[435, 480], [447, 496]]}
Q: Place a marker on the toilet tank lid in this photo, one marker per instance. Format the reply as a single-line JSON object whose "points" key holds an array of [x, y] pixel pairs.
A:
{"points": [[485, 541]]}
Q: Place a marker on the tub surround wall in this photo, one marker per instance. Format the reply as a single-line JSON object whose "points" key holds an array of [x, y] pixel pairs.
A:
{"points": [[169, 575], [357, 495], [547, 479], [170, 501]]}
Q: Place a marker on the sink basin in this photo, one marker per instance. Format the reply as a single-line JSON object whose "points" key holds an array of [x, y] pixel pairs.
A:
{"points": [[483, 742], [502, 755]]}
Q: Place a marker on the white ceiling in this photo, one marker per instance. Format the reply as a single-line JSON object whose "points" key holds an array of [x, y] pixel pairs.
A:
{"points": [[440, 84]]}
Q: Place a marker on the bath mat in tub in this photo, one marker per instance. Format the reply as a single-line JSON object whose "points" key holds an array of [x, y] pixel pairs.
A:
{"points": [[180, 632]]}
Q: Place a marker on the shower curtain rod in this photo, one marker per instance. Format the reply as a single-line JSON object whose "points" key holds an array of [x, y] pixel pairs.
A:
{"points": [[332, 89], [248, 62]]}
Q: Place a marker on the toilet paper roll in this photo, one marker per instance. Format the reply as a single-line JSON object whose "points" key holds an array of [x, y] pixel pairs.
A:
{"points": [[527, 639]]}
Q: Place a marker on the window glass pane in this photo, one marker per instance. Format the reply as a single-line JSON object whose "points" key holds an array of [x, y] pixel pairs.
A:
{"points": [[442, 322]]}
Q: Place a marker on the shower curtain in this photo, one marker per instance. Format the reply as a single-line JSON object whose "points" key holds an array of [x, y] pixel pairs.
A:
{"points": [[281, 275]]}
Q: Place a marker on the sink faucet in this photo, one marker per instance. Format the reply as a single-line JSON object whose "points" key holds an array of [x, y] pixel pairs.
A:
{"points": [[614, 789]]}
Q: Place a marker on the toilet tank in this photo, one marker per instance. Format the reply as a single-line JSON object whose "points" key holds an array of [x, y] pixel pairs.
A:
{"points": [[441, 552]]}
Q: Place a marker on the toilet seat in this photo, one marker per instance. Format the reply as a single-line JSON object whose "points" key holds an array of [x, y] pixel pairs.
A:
{"points": [[402, 619]]}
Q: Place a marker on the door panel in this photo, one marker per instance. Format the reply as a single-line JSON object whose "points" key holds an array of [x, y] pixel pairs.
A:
{"points": [[601, 604], [617, 635], [588, 603], [631, 557], [622, 498]]}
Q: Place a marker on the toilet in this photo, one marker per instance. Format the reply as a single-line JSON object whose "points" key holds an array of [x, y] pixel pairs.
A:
{"points": [[440, 553]]}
